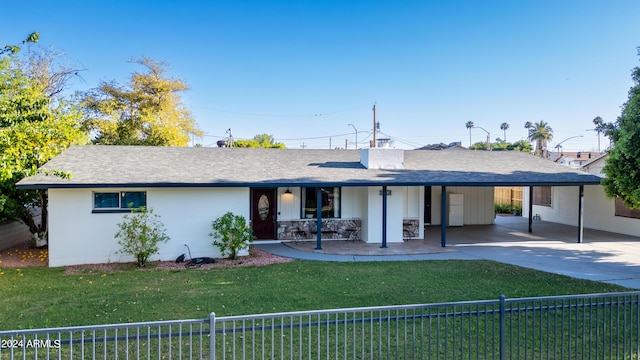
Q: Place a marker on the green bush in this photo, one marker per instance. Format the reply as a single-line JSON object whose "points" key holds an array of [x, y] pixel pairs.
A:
{"points": [[508, 209], [517, 210], [502, 208], [231, 234], [140, 233]]}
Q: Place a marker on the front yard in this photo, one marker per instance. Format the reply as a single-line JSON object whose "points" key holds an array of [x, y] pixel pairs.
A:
{"points": [[37, 297]]}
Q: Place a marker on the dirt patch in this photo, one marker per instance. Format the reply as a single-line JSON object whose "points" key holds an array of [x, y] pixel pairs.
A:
{"points": [[256, 257], [25, 256]]}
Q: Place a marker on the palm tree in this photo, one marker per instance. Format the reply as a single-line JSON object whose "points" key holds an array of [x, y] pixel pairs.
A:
{"points": [[504, 126], [469, 126], [528, 125], [542, 133], [600, 128]]}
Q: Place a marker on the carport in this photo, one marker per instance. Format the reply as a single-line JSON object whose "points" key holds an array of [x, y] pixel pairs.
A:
{"points": [[484, 169], [580, 206]]}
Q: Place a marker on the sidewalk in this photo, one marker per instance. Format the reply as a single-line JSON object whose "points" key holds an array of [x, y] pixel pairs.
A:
{"points": [[605, 257]]}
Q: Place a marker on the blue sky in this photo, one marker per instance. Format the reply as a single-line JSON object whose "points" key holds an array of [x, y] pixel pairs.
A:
{"points": [[303, 70]]}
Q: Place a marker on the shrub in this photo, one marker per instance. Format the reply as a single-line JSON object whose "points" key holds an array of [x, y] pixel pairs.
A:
{"points": [[508, 209], [140, 233], [502, 208], [231, 234], [517, 210]]}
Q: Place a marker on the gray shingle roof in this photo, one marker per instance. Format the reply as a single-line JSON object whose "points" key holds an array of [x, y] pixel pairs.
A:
{"points": [[138, 166]]}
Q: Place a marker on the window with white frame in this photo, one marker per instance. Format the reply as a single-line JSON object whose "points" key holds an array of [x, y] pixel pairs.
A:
{"points": [[119, 200], [330, 206]]}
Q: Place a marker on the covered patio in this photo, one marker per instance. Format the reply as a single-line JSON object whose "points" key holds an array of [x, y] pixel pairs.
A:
{"points": [[505, 231]]}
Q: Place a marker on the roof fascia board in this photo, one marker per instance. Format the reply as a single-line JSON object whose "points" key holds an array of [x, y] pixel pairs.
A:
{"points": [[296, 184]]}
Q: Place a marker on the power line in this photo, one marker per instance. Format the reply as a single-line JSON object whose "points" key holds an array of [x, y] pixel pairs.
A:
{"points": [[402, 141], [283, 115], [313, 138]]}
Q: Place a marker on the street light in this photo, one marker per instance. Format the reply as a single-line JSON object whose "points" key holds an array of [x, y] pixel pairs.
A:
{"points": [[557, 147], [356, 130], [488, 137]]}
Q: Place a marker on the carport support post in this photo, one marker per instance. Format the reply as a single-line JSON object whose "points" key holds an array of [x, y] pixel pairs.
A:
{"points": [[581, 214], [530, 209], [319, 218], [384, 217], [443, 217]]}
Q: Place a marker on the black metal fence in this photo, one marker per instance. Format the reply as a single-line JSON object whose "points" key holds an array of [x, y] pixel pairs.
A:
{"points": [[594, 326]]}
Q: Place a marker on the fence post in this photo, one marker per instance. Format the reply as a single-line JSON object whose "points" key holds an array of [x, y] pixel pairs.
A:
{"points": [[502, 327], [212, 336]]}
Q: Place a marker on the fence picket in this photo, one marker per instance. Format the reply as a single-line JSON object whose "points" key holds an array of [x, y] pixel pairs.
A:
{"points": [[587, 326]]}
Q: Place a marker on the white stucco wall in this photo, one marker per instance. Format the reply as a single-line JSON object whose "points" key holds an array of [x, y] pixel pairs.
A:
{"points": [[563, 209], [395, 204], [414, 206], [478, 204], [599, 211], [78, 236], [352, 202], [288, 204]]}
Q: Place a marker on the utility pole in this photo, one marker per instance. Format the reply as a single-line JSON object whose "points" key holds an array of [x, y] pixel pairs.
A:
{"points": [[303, 146], [373, 144], [329, 143], [346, 144]]}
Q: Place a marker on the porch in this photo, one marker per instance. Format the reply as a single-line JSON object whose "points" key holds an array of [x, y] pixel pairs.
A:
{"points": [[506, 231]]}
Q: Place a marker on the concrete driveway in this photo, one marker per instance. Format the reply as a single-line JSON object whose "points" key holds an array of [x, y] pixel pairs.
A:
{"points": [[603, 256]]}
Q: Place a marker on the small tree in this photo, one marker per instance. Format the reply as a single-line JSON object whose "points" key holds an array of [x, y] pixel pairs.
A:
{"points": [[231, 234], [140, 233]]}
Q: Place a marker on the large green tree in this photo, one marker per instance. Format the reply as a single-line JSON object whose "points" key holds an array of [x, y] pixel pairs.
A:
{"points": [[623, 165], [33, 129], [542, 133], [149, 111], [520, 145], [259, 141]]}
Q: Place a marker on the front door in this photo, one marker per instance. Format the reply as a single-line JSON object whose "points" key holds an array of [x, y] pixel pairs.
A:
{"points": [[263, 207]]}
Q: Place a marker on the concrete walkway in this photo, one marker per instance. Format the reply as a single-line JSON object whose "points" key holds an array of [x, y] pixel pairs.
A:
{"points": [[603, 256]]}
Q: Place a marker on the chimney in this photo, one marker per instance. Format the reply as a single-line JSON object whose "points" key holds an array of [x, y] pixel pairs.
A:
{"points": [[384, 143], [382, 158]]}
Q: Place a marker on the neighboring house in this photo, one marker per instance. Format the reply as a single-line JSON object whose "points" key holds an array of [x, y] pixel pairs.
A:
{"points": [[442, 146], [600, 212], [595, 164], [377, 195], [573, 159]]}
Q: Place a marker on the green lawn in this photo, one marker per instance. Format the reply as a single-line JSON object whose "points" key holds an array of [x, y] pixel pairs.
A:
{"points": [[45, 297]]}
